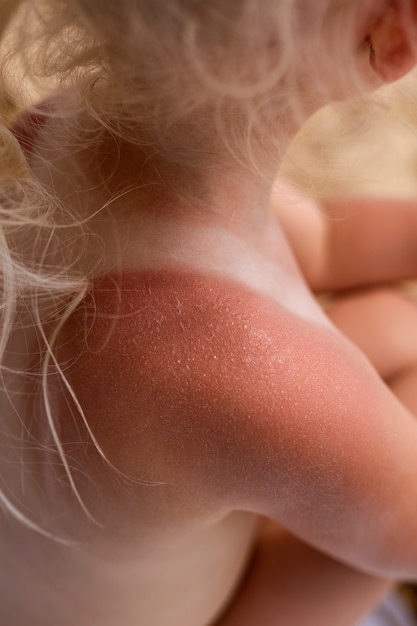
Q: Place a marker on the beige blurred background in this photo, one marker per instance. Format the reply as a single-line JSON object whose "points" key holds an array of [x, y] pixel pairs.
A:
{"points": [[361, 147]]}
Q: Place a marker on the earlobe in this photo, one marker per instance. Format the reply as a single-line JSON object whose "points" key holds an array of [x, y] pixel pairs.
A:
{"points": [[392, 39]]}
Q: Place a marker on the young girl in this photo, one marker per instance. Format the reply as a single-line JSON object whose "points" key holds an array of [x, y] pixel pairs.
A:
{"points": [[187, 438]]}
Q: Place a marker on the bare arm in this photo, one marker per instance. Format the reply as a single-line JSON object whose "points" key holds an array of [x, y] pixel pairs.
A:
{"points": [[248, 407], [351, 242], [291, 583], [329, 452]]}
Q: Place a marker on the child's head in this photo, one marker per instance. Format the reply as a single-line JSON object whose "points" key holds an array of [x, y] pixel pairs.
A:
{"points": [[246, 67]]}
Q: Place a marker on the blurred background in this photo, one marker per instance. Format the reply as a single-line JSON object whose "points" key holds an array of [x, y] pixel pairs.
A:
{"points": [[361, 148]]}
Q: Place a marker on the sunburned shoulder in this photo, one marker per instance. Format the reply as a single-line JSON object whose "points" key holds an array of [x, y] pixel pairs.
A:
{"points": [[189, 378], [187, 329]]}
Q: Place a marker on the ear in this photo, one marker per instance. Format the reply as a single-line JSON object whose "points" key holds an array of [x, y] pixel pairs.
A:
{"points": [[390, 28]]}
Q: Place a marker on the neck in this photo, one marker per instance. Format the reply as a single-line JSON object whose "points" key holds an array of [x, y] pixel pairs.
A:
{"points": [[189, 164], [211, 179], [220, 190]]}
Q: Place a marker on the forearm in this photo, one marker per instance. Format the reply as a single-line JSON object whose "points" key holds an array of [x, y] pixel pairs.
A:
{"points": [[368, 242], [343, 243], [290, 583]]}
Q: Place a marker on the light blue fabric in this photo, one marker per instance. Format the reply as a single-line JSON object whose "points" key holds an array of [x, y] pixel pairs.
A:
{"points": [[391, 612]]}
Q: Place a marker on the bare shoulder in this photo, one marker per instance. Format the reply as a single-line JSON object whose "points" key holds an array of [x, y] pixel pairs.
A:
{"points": [[197, 366], [176, 371], [201, 382]]}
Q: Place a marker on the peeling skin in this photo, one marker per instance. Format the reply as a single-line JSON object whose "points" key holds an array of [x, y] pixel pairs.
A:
{"points": [[166, 347], [180, 360], [200, 384]]}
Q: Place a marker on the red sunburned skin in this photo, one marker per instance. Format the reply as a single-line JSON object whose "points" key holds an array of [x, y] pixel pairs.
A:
{"points": [[176, 369], [141, 323], [227, 401], [151, 349]]}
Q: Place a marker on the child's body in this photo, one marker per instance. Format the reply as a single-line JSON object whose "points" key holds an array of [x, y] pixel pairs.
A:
{"points": [[214, 391]]}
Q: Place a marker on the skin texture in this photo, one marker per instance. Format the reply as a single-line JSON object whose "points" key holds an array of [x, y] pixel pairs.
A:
{"points": [[238, 361]]}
